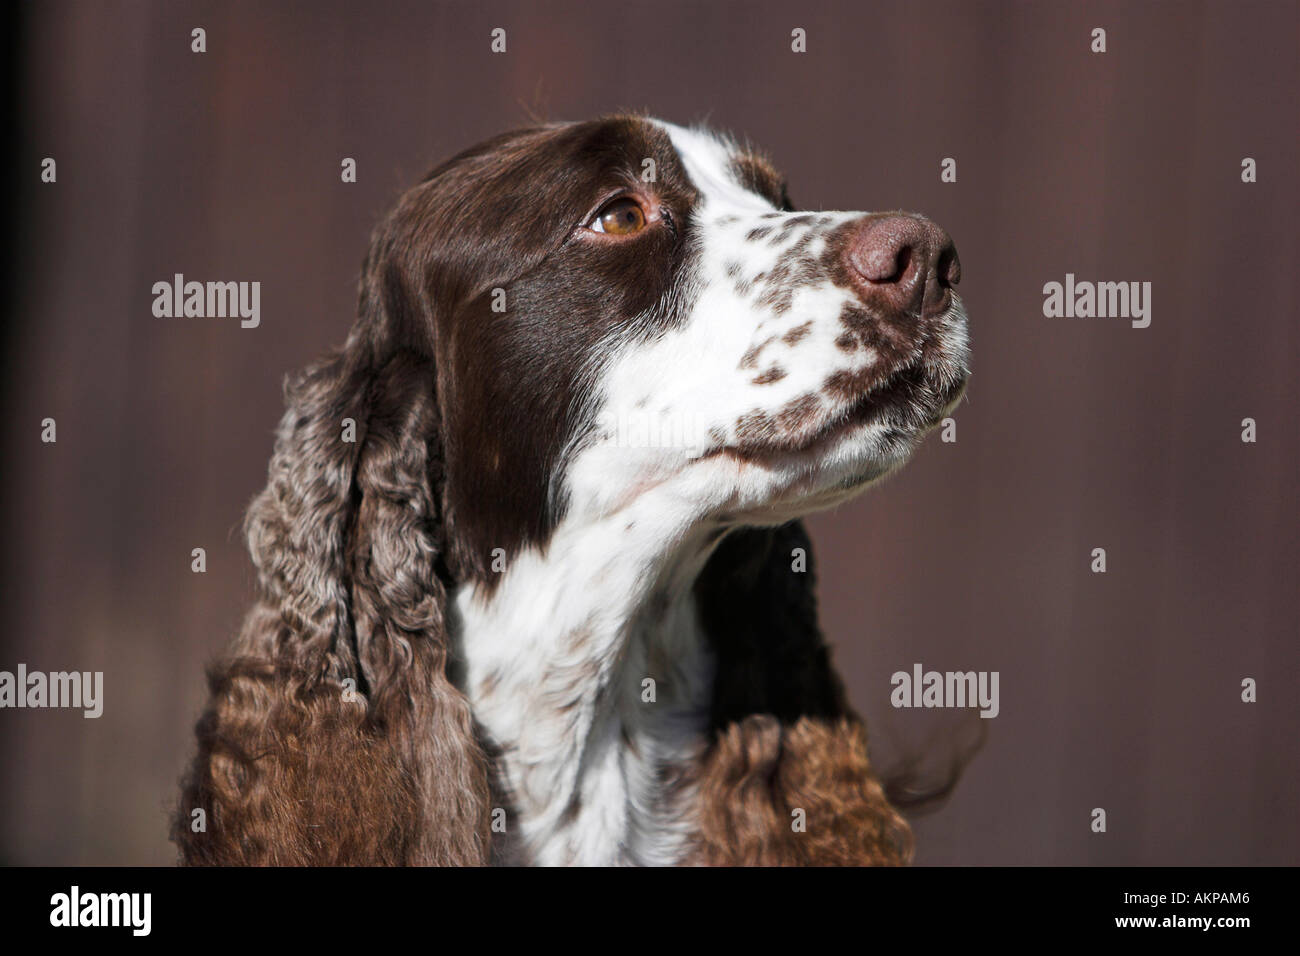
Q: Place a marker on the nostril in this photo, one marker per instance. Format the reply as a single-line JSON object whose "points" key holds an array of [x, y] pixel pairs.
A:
{"points": [[890, 248], [948, 269], [901, 261], [882, 263]]}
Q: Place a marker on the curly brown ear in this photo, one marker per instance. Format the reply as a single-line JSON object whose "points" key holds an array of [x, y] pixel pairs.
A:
{"points": [[333, 734], [786, 779]]}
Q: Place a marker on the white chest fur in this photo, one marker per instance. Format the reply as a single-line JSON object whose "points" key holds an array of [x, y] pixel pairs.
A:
{"points": [[587, 668]]}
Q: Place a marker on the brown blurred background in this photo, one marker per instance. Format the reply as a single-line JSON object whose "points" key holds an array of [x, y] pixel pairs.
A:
{"points": [[1118, 690]]}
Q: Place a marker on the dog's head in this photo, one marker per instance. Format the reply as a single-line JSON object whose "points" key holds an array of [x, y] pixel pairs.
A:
{"points": [[618, 304]]}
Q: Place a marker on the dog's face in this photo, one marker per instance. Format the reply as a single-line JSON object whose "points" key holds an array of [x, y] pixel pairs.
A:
{"points": [[623, 305]]}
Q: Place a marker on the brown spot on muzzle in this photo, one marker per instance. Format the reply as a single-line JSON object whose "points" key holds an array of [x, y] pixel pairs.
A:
{"points": [[752, 354], [799, 414], [894, 342], [849, 385], [787, 428], [754, 428], [796, 270], [798, 333]]}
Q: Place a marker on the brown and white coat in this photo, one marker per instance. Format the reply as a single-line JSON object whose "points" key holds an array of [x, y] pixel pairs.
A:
{"points": [[495, 599]]}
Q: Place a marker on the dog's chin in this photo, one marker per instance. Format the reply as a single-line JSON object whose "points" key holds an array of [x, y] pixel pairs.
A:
{"points": [[866, 441], [818, 485]]}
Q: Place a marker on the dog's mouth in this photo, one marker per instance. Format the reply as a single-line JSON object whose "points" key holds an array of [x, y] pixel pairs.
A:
{"points": [[896, 393], [908, 403], [915, 399], [869, 437]]}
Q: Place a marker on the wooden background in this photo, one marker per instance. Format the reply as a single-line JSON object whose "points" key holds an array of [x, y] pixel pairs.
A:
{"points": [[1118, 690]]}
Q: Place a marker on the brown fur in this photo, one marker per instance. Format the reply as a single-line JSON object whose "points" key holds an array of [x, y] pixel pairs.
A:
{"points": [[294, 766], [760, 773]]}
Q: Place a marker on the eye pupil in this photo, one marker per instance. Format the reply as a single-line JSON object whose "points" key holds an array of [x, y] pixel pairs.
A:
{"points": [[622, 217]]}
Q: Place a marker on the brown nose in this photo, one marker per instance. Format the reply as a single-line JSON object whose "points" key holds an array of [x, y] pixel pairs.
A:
{"points": [[902, 265]]}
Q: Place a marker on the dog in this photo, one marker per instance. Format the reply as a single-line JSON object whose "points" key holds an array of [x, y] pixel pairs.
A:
{"points": [[501, 617]]}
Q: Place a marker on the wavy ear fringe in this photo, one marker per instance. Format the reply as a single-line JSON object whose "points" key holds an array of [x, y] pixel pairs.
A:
{"points": [[787, 779], [796, 794], [333, 735]]}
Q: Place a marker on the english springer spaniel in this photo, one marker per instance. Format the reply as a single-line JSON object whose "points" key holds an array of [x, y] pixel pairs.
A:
{"points": [[532, 582]]}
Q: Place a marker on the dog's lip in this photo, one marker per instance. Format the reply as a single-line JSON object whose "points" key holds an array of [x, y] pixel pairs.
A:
{"points": [[868, 406], [863, 410], [898, 388]]}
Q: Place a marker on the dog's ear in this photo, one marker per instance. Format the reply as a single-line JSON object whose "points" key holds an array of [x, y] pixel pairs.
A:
{"points": [[757, 598], [786, 778], [333, 733]]}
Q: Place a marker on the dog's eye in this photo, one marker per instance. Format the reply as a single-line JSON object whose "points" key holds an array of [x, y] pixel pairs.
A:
{"points": [[620, 217]]}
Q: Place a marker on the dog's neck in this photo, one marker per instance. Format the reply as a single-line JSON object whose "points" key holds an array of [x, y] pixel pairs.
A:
{"points": [[588, 670]]}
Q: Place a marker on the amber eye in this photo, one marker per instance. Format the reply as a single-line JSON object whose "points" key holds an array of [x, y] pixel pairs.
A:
{"points": [[622, 217]]}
